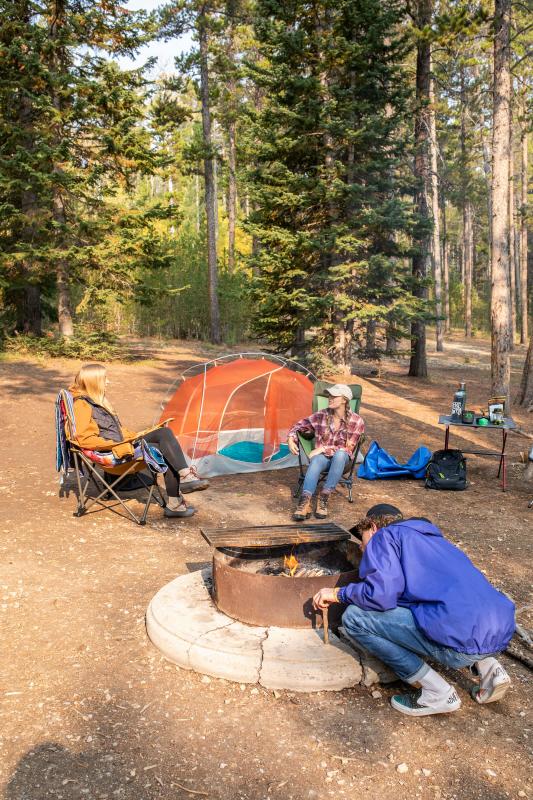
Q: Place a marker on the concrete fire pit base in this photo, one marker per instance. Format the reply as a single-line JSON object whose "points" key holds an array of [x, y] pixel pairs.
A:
{"points": [[185, 625]]}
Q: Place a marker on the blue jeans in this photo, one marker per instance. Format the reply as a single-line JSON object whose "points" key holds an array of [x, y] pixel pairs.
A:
{"points": [[394, 638], [319, 464]]}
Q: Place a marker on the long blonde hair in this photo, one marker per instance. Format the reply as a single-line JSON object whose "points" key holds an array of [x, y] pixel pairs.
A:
{"points": [[90, 381]]}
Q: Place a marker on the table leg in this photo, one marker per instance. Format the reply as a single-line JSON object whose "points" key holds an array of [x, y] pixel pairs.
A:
{"points": [[446, 437], [502, 466]]}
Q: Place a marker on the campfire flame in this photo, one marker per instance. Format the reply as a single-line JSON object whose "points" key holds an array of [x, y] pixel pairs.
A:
{"points": [[291, 563]]}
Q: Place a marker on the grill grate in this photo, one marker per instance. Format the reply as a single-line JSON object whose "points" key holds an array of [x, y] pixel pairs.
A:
{"points": [[272, 535]]}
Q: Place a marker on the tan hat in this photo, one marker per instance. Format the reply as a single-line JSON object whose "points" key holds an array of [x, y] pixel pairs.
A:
{"points": [[340, 390]]}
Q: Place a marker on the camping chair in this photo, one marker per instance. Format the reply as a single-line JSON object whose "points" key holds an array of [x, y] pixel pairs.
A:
{"points": [[116, 472], [320, 401]]}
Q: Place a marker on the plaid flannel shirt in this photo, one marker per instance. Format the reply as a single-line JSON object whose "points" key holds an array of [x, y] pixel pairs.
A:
{"points": [[344, 438]]}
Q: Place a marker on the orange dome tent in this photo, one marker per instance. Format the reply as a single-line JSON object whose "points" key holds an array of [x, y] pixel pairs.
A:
{"points": [[233, 414]]}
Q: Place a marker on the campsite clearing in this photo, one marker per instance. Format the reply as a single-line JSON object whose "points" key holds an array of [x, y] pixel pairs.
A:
{"points": [[89, 708]]}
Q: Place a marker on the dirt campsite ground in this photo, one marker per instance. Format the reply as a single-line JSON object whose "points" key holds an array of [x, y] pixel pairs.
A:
{"points": [[90, 710]]}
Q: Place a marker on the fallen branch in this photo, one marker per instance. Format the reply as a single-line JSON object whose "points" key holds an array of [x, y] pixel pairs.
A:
{"points": [[191, 791]]}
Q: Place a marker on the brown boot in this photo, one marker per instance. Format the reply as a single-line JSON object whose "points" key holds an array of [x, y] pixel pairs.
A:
{"points": [[322, 505], [303, 509]]}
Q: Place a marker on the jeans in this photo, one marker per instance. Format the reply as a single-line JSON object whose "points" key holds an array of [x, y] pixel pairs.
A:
{"points": [[394, 638], [170, 449], [319, 464]]}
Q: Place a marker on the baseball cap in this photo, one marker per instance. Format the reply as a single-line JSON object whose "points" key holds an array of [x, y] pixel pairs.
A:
{"points": [[383, 510], [379, 510], [340, 390]]}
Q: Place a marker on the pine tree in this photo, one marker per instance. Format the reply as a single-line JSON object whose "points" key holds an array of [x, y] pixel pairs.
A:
{"points": [[327, 186], [73, 133]]}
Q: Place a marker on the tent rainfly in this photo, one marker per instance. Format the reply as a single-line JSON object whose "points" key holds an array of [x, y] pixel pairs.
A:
{"points": [[233, 414]]}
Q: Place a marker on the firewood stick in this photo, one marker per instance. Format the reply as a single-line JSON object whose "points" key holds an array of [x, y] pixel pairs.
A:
{"points": [[325, 624]]}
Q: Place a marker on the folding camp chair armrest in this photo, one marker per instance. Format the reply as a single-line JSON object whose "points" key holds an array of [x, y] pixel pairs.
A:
{"points": [[306, 444], [138, 436]]}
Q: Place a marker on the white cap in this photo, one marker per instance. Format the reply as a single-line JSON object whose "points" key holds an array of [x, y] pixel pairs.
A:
{"points": [[340, 390]]}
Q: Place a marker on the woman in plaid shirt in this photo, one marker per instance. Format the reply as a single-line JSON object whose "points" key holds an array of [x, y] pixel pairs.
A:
{"points": [[336, 430]]}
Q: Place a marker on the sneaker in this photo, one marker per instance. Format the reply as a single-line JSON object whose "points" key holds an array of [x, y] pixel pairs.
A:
{"points": [[303, 509], [322, 506], [191, 481], [493, 686], [409, 704]]}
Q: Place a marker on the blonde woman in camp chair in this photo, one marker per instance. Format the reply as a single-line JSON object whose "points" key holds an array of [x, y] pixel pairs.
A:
{"points": [[97, 425], [336, 430]]}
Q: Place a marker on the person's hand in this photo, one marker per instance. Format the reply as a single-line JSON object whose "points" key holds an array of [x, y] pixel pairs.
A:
{"points": [[316, 452], [324, 598], [293, 447]]}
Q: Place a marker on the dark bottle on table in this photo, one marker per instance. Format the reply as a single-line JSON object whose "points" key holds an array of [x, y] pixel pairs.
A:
{"points": [[459, 403]]}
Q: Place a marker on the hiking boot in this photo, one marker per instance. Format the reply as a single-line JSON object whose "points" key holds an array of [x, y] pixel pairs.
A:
{"points": [[191, 481], [493, 686], [303, 509], [322, 505], [409, 703]]}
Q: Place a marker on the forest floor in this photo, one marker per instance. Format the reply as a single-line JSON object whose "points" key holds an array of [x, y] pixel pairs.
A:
{"points": [[90, 709]]}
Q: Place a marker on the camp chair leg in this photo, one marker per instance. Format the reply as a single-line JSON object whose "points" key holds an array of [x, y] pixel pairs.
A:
{"points": [[82, 499], [147, 506], [108, 490], [350, 497]]}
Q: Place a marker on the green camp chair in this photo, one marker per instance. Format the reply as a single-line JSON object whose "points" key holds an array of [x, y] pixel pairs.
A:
{"points": [[320, 401]]}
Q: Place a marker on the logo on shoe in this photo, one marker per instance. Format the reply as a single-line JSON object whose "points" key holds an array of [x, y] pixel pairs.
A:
{"points": [[452, 699]]}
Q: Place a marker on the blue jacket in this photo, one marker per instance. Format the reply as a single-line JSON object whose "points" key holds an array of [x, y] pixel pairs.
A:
{"points": [[410, 564]]}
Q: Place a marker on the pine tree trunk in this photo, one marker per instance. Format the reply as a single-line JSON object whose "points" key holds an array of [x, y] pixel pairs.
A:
{"points": [[370, 344], [418, 363], [523, 237], [500, 294], [467, 216], [232, 193], [209, 178], [468, 247], [232, 136], [445, 269], [525, 393], [197, 201], [437, 265], [512, 271], [29, 311], [64, 307]]}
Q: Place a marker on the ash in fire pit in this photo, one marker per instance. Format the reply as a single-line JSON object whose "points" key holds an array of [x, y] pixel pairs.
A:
{"points": [[297, 561]]}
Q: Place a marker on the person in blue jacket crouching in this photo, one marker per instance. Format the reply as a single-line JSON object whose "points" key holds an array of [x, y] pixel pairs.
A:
{"points": [[421, 597]]}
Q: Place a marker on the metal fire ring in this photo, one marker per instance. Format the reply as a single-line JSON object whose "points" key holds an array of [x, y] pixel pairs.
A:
{"points": [[272, 599]]}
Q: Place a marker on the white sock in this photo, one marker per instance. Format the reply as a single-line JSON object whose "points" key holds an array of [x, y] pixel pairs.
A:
{"points": [[434, 687], [485, 665]]}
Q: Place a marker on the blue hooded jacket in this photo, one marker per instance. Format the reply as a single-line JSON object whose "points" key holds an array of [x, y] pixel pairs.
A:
{"points": [[410, 564]]}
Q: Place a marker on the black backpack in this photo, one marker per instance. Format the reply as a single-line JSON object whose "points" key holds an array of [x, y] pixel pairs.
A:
{"points": [[446, 470]]}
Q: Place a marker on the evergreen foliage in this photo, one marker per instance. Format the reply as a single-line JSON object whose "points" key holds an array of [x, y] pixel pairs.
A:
{"points": [[330, 185]]}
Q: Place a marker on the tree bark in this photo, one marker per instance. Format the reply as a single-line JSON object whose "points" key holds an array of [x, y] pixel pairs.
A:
{"points": [[29, 311], [467, 241], [523, 235], [500, 294], [209, 178], [64, 306], [468, 246], [512, 272], [445, 268], [418, 363], [525, 393], [437, 265], [231, 87]]}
